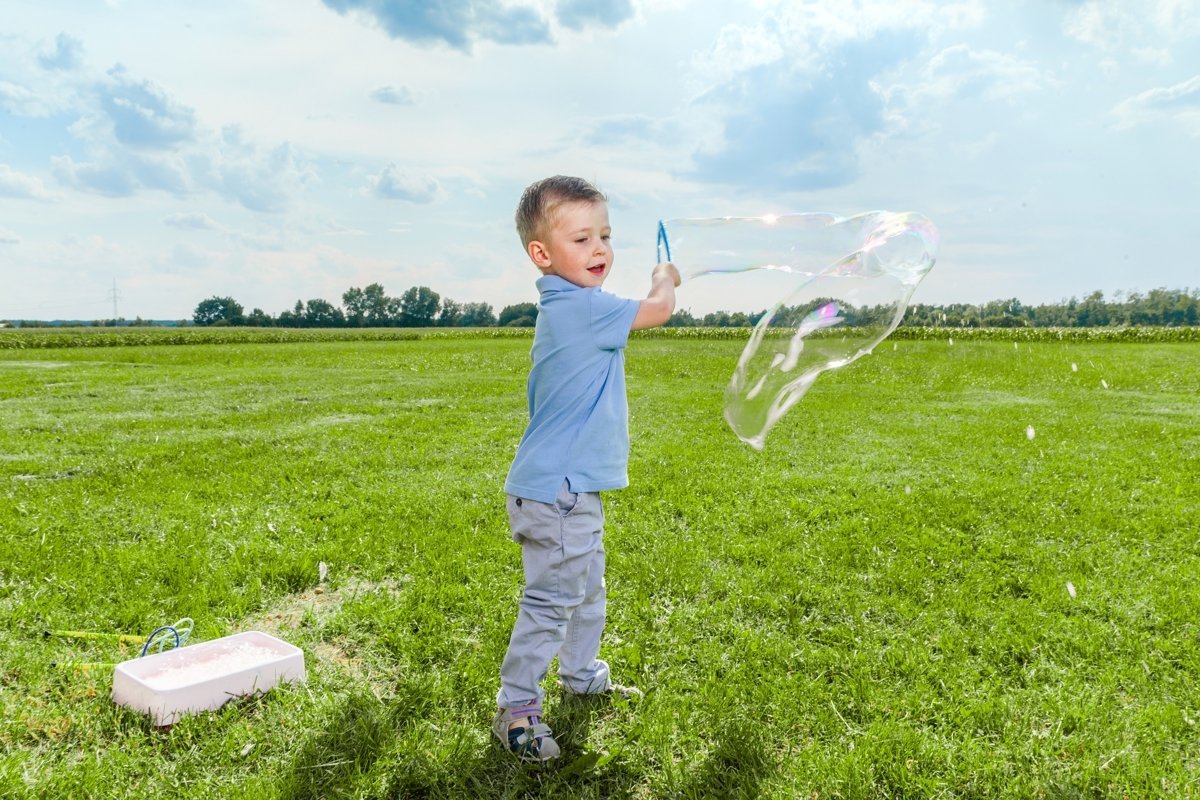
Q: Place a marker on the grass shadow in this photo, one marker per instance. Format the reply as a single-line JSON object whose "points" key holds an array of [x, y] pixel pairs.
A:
{"points": [[368, 748], [490, 772], [736, 767], [350, 743]]}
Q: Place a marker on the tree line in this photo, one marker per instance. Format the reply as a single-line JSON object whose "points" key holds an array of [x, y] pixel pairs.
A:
{"points": [[421, 307], [1158, 307], [369, 307]]}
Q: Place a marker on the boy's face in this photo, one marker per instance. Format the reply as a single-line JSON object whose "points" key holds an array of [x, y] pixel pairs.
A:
{"points": [[576, 244]]}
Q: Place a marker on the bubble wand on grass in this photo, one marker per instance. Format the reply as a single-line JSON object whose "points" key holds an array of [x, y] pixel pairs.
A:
{"points": [[164, 637], [124, 638]]}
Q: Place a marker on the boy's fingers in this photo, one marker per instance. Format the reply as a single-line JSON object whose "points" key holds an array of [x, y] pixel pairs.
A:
{"points": [[668, 268]]}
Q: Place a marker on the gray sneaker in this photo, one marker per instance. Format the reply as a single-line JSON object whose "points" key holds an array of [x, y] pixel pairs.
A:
{"points": [[533, 741]]}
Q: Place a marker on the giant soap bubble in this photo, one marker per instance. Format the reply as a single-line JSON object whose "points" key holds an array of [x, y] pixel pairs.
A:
{"points": [[853, 279]]}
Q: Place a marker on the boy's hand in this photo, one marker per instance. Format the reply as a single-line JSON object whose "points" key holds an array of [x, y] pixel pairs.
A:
{"points": [[666, 268], [656, 309]]}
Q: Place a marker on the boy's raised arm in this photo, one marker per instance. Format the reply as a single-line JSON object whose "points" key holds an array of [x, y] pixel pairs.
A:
{"points": [[659, 304]]}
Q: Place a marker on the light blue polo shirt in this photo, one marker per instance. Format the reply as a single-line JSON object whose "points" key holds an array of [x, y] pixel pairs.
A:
{"points": [[578, 415]]}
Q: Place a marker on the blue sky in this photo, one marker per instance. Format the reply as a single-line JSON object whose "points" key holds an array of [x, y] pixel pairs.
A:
{"points": [[274, 150]]}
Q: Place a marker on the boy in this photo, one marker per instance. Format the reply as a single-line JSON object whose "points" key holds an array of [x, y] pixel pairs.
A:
{"points": [[575, 446]]}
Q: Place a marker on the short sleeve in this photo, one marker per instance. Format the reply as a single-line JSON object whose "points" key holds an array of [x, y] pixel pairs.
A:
{"points": [[611, 318]]}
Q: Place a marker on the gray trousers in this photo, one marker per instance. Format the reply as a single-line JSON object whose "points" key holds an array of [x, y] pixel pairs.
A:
{"points": [[562, 608]]}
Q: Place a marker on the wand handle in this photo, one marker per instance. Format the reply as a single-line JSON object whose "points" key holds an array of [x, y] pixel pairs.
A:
{"points": [[81, 666], [120, 637]]}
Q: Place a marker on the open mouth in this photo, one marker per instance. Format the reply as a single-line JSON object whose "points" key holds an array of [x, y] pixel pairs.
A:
{"points": [[597, 270]]}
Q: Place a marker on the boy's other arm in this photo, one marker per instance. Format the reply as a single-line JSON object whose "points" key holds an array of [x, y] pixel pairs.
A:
{"points": [[659, 304]]}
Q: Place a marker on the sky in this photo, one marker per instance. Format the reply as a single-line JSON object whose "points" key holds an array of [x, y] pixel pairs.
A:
{"points": [[283, 150]]}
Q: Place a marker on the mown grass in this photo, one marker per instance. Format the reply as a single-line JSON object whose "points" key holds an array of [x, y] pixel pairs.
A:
{"points": [[877, 605]]}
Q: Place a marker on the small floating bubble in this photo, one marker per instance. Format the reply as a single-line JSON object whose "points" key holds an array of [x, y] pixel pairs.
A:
{"points": [[1104, 383], [1074, 367], [1030, 433], [1071, 589], [908, 490]]}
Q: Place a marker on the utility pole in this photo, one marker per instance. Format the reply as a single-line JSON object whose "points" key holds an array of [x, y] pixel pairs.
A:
{"points": [[114, 295]]}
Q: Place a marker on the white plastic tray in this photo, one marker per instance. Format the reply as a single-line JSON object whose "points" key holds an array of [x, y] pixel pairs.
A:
{"points": [[205, 676]]}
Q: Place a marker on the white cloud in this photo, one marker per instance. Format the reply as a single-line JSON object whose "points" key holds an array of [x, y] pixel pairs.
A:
{"points": [[22, 101], [17, 184], [137, 137], [107, 179], [462, 24], [741, 47], [260, 178], [270, 238], [393, 96], [959, 70], [8, 237], [626, 128], [804, 32], [395, 183], [192, 220], [323, 227], [579, 14], [67, 54], [958, 73], [142, 114], [789, 131], [199, 221], [1145, 31], [801, 89], [1181, 101], [457, 23], [121, 173]]}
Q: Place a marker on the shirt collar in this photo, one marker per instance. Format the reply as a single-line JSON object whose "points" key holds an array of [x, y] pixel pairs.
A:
{"points": [[554, 283]]}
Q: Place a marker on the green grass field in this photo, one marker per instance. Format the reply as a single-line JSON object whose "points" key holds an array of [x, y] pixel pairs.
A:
{"points": [[904, 595]]}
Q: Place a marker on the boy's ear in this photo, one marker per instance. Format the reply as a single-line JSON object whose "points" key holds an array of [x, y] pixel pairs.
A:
{"points": [[539, 255]]}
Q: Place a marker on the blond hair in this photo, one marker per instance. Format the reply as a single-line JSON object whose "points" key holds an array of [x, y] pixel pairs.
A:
{"points": [[540, 199]]}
